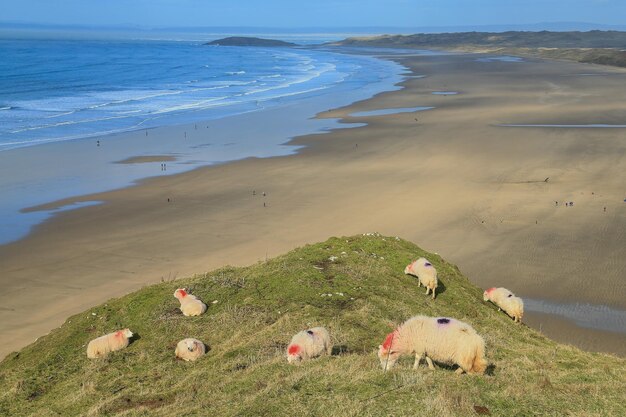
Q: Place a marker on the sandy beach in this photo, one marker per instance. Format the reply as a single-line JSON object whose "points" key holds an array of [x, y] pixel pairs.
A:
{"points": [[488, 198]]}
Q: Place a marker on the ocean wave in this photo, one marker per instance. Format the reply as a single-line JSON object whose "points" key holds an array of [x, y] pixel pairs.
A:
{"points": [[66, 123], [140, 89]]}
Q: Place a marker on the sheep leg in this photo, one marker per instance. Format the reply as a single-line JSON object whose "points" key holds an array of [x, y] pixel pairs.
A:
{"points": [[430, 364], [418, 359], [427, 290], [433, 293], [459, 371]]}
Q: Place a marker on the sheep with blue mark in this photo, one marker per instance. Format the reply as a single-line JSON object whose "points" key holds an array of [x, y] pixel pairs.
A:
{"points": [[442, 339], [426, 274], [507, 301], [309, 344]]}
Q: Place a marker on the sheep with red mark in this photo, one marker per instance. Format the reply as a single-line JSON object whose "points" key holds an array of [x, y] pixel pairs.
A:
{"points": [[426, 274], [111, 342], [507, 301], [442, 339], [309, 344], [190, 305], [190, 349]]}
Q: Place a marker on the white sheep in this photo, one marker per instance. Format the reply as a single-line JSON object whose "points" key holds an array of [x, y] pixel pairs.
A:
{"points": [[190, 305], [441, 339], [308, 344], [507, 301], [111, 342], [425, 272], [190, 349]]}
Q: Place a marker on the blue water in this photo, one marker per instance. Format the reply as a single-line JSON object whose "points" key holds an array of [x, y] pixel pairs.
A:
{"points": [[69, 110], [591, 316], [59, 90]]}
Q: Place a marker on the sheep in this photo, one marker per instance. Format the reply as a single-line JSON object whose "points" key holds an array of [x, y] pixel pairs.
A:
{"points": [[190, 305], [441, 339], [425, 272], [507, 301], [190, 349], [111, 342], [309, 344]]}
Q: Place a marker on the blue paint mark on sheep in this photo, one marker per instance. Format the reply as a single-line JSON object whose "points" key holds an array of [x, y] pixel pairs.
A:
{"points": [[428, 264], [310, 332], [443, 321]]}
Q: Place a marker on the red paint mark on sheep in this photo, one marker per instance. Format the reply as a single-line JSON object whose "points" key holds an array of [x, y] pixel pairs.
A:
{"points": [[389, 340], [293, 349], [490, 290], [182, 293]]}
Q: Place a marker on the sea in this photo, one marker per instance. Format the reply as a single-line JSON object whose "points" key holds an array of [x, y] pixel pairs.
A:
{"points": [[60, 90], [60, 97]]}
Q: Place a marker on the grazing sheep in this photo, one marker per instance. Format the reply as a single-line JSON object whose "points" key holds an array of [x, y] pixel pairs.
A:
{"points": [[425, 272], [308, 344], [190, 349], [441, 339], [190, 305], [507, 301], [111, 342]]}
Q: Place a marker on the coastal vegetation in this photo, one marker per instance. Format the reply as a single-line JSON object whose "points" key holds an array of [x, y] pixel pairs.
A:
{"points": [[597, 47], [353, 286]]}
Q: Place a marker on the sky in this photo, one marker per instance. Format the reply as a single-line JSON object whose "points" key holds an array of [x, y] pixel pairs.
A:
{"points": [[311, 13]]}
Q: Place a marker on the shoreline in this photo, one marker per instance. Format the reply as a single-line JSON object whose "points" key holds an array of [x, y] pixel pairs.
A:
{"points": [[77, 167], [213, 219]]}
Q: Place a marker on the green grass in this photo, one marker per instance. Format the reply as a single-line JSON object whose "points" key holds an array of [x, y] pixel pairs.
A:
{"points": [[260, 307], [593, 47]]}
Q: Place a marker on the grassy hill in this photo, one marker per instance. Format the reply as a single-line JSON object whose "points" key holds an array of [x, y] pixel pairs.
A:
{"points": [[596, 47], [259, 308]]}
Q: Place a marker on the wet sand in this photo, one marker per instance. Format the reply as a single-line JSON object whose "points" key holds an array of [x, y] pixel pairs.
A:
{"points": [[147, 159], [449, 179]]}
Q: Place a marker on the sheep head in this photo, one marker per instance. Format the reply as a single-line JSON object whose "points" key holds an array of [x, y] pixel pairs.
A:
{"points": [[293, 354]]}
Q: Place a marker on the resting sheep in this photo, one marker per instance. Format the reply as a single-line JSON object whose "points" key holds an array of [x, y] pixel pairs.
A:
{"points": [[111, 342], [190, 349], [507, 301], [442, 339], [190, 305], [308, 344], [425, 272]]}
